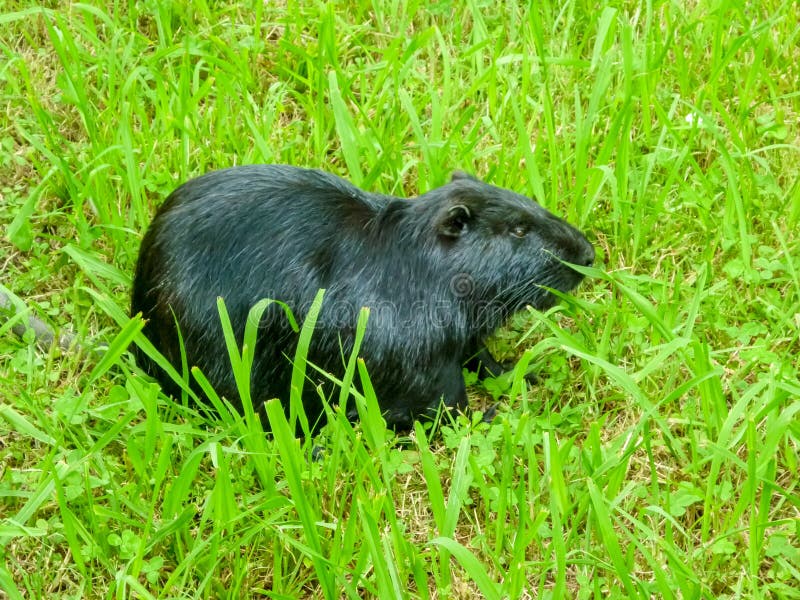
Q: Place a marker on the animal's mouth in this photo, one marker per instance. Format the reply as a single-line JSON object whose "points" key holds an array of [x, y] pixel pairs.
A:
{"points": [[548, 300], [564, 282]]}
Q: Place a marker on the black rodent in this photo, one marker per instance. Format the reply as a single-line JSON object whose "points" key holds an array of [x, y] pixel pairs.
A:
{"points": [[439, 274]]}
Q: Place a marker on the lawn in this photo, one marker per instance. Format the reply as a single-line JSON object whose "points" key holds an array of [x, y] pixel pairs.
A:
{"points": [[655, 453]]}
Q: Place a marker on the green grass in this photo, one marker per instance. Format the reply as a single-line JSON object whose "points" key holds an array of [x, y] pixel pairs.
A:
{"points": [[656, 455]]}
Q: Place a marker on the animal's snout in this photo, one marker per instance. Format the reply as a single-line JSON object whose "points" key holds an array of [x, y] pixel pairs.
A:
{"points": [[585, 254], [573, 245], [568, 241]]}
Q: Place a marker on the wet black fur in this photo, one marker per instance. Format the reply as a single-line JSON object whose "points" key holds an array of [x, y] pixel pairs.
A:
{"points": [[439, 273]]}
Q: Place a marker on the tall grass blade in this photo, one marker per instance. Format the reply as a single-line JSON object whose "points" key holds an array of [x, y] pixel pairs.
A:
{"points": [[305, 501], [476, 571]]}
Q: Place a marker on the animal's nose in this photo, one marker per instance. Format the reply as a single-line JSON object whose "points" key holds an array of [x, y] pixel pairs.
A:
{"points": [[585, 254]]}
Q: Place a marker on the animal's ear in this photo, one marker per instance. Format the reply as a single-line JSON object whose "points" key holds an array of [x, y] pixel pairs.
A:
{"points": [[455, 221], [462, 175]]}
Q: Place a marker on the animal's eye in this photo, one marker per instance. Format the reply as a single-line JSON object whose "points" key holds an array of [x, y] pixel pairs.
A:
{"points": [[518, 231]]}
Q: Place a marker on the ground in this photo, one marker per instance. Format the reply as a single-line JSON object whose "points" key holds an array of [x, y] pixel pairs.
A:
{"points": [[654, 455]]}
